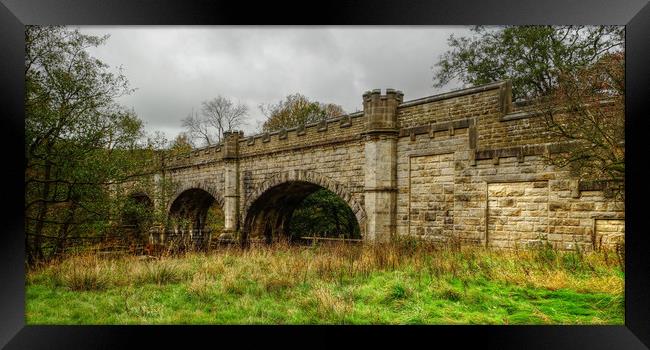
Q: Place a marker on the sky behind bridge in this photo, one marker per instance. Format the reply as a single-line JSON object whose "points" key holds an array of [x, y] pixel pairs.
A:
{"points": [[175, 68]]}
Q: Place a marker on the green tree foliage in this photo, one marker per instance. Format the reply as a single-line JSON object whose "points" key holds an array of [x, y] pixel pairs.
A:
{"points": [[215, 220], [182, 144], [138, 213], [533, 57], [296, 110], [324, 214], [78, 140]]}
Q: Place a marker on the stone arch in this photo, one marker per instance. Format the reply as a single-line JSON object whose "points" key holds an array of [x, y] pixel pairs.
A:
{"points": [[141, 194], [303, 180], [200, 185], [191, 203]]}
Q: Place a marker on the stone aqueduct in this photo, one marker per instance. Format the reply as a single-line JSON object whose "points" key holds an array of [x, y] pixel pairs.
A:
{"points": [[465, 164]]}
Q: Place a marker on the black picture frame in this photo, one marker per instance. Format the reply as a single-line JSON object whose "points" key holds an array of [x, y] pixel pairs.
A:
{"points": [[14, 14]]}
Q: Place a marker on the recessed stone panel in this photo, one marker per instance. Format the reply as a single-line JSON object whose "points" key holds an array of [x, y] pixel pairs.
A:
{"points": [[517, 213], [431, 195]]}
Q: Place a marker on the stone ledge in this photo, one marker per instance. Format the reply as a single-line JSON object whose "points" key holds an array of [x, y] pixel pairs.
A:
{"points": [[434, 127], [457, 93]]}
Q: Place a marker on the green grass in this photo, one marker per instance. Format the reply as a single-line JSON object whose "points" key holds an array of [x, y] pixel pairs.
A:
{"points": [[395, 284]]}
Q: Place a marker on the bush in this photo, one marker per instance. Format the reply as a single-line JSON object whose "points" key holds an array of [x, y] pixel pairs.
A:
{"points": [[201, 286], [451, 295]]}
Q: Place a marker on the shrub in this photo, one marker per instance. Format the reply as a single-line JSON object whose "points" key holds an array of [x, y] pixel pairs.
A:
{"points": [[545, 254], [398, 291]]}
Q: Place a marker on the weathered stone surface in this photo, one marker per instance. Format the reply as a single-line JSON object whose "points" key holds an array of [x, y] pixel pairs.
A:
{"points": [[454, 164]]}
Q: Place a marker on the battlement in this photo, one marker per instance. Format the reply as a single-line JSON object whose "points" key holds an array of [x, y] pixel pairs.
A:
{"points": [[385, 112], [391, 94]]}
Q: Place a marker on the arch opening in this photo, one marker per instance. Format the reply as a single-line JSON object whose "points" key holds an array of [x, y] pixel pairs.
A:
{"points": [[299, 211], [195, 216]]}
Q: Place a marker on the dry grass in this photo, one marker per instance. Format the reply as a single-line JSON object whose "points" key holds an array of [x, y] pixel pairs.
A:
{"points": [[330, 282], [284, 266]]}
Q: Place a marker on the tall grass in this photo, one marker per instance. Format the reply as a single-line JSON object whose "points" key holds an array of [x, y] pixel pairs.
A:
{"points": [[283, 266], [330, 280]]}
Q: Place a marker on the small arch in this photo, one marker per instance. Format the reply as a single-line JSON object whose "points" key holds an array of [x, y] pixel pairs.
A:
{"points": [[188, 212], [270, 207], [137, 214], [201, 185]]}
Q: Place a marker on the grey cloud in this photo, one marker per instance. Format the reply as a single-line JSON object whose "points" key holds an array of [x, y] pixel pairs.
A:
{"points": [[175, 68]]}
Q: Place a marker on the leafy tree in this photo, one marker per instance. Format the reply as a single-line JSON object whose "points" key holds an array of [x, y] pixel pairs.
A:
{"points": [[78, 140], [181, 144], [138, 213], [573, 76], [217, 115], [533, 57], [296, 110], [324, 214], [215, 220], [586, 112]]}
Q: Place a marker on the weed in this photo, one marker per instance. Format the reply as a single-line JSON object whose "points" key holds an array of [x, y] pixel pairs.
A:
{"points": [[398, 291], [201, 286], [451, 295], [84, 279], [159, 273]]}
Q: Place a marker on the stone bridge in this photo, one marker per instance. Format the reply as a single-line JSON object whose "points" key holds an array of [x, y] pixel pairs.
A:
{"points": [[466, 164]]}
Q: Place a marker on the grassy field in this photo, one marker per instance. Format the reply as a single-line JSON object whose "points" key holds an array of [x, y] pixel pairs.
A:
{"points": [[398, 283]]}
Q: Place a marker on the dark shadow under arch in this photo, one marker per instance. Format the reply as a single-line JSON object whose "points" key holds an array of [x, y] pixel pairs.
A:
{"points": [[188, 212], [268, 217], [310, 177]]}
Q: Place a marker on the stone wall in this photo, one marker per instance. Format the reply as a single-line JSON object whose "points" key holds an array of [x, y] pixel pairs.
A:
{"points": [[339, 168], [465, 165]]}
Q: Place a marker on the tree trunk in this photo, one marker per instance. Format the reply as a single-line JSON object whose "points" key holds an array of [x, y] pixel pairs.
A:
{"points": [[337, 221], [36, 252], [63, 231]]}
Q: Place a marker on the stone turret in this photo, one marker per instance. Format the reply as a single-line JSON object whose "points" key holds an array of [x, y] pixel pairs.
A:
{"points": [[380, 178], [381, 110], [231, 144]]}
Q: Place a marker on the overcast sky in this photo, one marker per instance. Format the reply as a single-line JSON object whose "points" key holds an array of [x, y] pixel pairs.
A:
{"points": [[174, 69]]}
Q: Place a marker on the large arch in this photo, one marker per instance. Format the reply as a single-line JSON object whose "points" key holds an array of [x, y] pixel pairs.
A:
{"points": [[270, 206]]}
